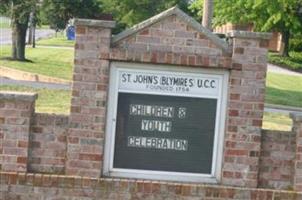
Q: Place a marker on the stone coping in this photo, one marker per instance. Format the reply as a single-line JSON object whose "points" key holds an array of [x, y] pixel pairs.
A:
{"points": [[94, 22], [249, 35], [18, 96], [296, 116]]}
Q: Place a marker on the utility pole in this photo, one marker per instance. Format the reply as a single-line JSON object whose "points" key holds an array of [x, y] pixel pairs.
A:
{"points": [[207, 16], [32, 29]]}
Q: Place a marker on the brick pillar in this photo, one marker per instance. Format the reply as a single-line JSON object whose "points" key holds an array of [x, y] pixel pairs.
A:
{"points": [[245, 108], [89, 96], [297, 129], [16, 111]]}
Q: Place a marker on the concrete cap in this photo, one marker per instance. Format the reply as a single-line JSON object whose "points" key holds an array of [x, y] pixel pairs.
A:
{"points": [[296, 116], [18, 96], [94, 22], [249, 35]]}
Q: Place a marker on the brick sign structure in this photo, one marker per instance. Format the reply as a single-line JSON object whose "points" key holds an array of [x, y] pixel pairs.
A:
{"points": [[157, 112], [178, 44]]}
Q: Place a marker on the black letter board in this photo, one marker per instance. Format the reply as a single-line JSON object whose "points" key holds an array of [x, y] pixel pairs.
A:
{"points": [[165, 133]]}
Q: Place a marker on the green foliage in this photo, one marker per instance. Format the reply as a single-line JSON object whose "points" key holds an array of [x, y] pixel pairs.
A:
{"points": [[4, 7], [58, 12], [267, 15], [293, 62], [130, 12], [295, 43], [18, 9]]}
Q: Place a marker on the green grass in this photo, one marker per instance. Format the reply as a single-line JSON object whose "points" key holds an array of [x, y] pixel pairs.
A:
{"points": [[284, 90], [276, 121], [49, 101], [294, 62], [60, 40], [43, 27], [4, 24], [46, 61]]}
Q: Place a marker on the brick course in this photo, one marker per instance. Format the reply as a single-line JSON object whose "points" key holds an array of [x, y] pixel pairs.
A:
{"points": [[21, 186], [16, 110], [277, 159], [48, 146], [297, 128]]}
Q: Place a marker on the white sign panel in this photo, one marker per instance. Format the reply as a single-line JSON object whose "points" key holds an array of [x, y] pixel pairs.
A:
{"points": [[174, 83], [165, 122]]}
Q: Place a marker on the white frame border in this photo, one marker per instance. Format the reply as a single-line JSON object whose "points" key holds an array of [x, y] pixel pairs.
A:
{"points": [[108, 169]]}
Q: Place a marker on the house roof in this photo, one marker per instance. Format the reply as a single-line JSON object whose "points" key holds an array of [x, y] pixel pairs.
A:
{"points": [[180, 14]]}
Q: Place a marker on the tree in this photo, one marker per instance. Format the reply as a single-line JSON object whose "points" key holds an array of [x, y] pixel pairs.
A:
{"points": [[267, 15], [57, 13], [19, 11], [283, 16], [130, 12], [208, 10]]}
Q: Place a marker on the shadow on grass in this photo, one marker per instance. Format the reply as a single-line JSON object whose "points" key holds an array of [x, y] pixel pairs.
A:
{"points": [[11, 59], [283, 97]]}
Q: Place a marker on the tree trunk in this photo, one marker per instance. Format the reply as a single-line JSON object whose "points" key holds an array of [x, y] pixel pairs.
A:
{"points": [[18, 41], [207, 14], [34, 36], [285, 42], [30, 35], [31, 27]]}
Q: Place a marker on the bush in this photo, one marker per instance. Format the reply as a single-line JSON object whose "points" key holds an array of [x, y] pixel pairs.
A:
{"points": [[295, 44], [293, 62]]}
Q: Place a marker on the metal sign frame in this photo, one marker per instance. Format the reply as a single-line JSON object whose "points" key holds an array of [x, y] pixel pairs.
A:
{"points": [[115, 69]]}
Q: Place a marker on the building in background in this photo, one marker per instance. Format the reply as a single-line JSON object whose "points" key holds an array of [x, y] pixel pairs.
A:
{"points": [[275, 43]]}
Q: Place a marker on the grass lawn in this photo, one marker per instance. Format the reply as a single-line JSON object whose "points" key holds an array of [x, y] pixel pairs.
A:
{"points": [[4, 24], [294, 62], [276, 121], [284, 90], [49, 101], [60, 40], [46, 61]]}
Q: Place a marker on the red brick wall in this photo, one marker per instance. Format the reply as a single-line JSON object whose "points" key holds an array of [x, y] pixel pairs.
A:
{"points": [[170, 35], [47, 145], [277, 159], [21, 186], [89, 100], [171, 41], [16, 110], [245, 110], [297, 128]]}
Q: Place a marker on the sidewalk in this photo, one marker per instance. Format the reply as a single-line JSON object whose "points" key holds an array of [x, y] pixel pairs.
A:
{"points": [[34, 84], [281, 70]]}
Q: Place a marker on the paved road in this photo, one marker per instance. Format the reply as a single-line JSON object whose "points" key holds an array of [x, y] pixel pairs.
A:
{"points": [[280, 70], [7, 81], [6, 35], [281, 109]]}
